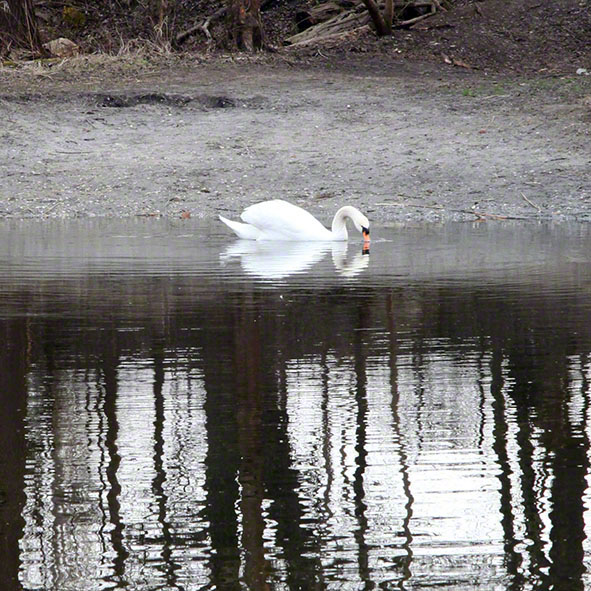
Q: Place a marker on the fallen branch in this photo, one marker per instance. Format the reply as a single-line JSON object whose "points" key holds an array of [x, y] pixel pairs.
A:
{"points": [[203, 26], [413, 21]]}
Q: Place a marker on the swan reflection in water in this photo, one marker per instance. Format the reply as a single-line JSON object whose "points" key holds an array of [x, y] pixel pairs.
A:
{"points": [[277, 260]]}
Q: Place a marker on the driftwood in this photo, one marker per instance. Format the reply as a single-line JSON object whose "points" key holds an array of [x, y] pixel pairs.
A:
{"points": [[335, 17]]}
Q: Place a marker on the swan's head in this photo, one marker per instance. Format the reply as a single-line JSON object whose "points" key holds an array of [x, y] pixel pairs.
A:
{"points": [[362, 224]]}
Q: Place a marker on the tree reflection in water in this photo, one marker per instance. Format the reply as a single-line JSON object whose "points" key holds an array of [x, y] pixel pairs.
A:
{"points": [[185, 426]]}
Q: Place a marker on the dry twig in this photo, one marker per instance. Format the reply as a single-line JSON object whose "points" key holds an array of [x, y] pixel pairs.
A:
{"points": [[531, 203]]}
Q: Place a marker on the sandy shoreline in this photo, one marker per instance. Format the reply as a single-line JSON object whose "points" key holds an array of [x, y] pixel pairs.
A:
{"points": [[429, 143]]}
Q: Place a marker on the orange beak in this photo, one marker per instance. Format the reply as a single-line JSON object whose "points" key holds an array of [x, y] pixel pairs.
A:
{"points": [[365, 236]]}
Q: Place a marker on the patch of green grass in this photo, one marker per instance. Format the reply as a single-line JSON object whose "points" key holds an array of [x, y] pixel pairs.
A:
{"points": [[488, 90], [562, 87]]}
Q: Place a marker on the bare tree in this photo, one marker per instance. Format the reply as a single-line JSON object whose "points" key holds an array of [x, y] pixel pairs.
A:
{"points": [[18, 27], [245, 26]]}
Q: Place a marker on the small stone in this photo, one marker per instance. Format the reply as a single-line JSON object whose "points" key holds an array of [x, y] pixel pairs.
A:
{"points": [[62, 47]]}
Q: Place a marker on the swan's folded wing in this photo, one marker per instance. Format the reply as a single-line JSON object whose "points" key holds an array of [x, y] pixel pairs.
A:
{"points": [[245, 231], [280, 220]]}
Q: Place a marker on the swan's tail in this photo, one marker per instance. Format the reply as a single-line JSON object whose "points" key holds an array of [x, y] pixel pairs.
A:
{"points": [[245, 231]]}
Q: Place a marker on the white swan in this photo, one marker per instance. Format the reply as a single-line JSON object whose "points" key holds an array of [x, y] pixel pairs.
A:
{"points": [[280, 220]]}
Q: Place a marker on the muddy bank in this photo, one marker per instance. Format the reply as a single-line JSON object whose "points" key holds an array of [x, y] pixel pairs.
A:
{"points": [[430, 143]]}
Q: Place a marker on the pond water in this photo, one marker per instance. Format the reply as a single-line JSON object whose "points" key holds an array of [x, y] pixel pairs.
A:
{"points": [[181, 410]]}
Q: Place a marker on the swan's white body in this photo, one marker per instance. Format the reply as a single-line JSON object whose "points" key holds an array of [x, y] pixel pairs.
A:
{"points": [[280, 220]]}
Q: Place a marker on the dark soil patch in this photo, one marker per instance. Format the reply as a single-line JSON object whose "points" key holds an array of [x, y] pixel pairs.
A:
{"points": [[121, 101]]}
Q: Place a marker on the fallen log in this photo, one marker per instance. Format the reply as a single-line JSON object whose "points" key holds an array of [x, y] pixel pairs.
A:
{"points": [[318, 13], [331, 37], [341, 23], [340, 16]]}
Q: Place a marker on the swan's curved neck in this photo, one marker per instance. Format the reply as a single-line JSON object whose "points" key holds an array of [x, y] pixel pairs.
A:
{"points": [[339, 222]]}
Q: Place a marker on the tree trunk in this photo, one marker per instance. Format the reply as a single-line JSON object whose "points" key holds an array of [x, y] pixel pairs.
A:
{"points": [[18, 27], [245, 27], [389, 15], [378, 20]]}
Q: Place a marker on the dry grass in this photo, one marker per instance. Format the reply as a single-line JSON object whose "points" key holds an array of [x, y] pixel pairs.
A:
{"points": [[132, 58], [132, 61]]}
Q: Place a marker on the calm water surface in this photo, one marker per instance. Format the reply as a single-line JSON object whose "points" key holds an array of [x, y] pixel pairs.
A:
{"points": [[185, 411]]}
